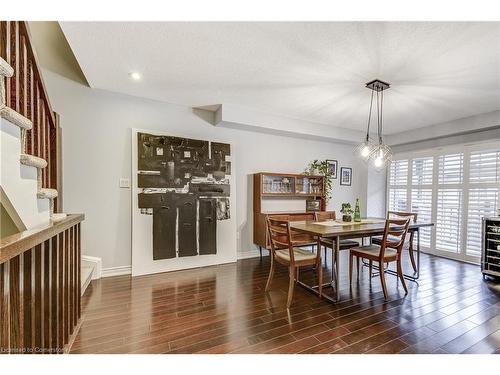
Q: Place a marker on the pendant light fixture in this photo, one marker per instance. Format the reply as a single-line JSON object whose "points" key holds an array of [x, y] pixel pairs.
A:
{"points": [[365, 148], [375, 151]]}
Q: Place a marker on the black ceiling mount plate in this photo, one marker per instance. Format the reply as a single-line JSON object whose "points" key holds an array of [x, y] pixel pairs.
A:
{"points": [[378, 85]]}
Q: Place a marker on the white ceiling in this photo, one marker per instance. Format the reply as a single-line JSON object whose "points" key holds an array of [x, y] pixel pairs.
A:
{"points": [[310, 71]]}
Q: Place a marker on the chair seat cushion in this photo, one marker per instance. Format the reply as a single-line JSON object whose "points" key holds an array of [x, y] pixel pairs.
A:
{"points": [[298, 253], [344, 244], [373, 251]]}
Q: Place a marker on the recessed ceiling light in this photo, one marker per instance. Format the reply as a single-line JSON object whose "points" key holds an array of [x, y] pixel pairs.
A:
{"points": [[135, 76]]}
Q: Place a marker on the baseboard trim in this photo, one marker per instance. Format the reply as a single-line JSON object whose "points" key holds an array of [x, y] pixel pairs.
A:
{"points": [[116, 271], [97, 272], [252, 254]]}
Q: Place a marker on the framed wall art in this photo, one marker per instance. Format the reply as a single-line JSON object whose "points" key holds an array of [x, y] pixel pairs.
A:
{"points": [[345, 176], [332, 167]]}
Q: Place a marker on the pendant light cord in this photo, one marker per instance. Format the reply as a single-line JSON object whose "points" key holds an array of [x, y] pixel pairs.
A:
{"points": [[381, 114], [369, 119], [378, 114]]}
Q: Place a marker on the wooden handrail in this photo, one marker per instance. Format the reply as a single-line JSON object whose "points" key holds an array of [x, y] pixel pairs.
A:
{"points": [[16, 244]]}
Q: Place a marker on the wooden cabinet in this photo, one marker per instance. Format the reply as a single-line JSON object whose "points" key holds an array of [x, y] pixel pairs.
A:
{"points": [[284, 186]]}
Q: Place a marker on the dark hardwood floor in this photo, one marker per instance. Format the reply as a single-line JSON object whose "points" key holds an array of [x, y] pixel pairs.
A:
{"points": [[224, 309]]}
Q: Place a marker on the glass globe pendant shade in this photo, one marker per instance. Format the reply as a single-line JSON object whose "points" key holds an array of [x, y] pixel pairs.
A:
{"points": [[365, 149], [381, 156]]}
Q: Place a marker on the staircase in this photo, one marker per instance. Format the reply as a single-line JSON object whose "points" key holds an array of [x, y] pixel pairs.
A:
{"points": [[27, 201], [22, 193]]}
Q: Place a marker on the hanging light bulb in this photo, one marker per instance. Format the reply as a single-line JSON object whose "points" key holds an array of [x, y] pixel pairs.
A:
{"points": [[365, 149], [381, 156]]}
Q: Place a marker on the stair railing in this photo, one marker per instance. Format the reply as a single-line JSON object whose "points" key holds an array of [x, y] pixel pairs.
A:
{"points": [[40, 288], [26, 93]]}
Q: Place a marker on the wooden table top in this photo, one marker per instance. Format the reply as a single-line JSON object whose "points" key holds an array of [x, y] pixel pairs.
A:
{"points": [[318, 229]]}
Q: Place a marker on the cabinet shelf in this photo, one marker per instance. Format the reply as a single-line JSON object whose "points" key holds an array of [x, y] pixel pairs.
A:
{"points": [[288, 188]]}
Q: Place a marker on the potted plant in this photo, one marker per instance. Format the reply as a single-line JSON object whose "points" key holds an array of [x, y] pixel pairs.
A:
{"points": [[346, 211]]}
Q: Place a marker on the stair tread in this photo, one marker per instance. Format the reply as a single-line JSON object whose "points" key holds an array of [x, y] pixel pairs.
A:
{"points": [[33, 161], [5, 69], [16, 118], [47, 193]]}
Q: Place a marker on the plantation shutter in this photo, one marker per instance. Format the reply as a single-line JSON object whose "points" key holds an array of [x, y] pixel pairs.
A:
{"points": [[397, 200], [449, 217], [398, 180], [451, 169], [421, 203], [483, 195], [398, 173], [421, 194], [449, 202]]}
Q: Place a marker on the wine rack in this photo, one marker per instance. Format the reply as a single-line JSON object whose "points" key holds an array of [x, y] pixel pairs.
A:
{"points": [[490, 259]]}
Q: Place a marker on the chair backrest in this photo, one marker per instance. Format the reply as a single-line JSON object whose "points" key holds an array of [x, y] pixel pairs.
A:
{"points": [[324, 215], [395, 231], [280, 236], [402, 215]]}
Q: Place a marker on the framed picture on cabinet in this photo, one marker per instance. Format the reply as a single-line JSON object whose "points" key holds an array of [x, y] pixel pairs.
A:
{"points": [[332, 167], [345, 176], [313, 205]]}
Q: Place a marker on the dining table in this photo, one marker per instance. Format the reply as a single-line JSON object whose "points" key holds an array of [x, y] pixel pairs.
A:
{"points": [[338, 230]]}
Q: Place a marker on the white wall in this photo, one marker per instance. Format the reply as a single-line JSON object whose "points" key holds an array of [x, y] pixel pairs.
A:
{"points": [[96, 153]]}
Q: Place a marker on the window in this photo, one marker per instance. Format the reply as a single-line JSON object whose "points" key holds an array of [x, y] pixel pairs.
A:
{"points": [[397, 200], [448, 220], [399, 173], [421, 203], [421, 194], [398, 179], [451, 169], [483, 195], [482, 202], [452, 187], [422, 171]]}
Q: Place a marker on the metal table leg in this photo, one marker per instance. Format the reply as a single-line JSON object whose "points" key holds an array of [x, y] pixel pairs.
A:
{"points": [[337, 258]]}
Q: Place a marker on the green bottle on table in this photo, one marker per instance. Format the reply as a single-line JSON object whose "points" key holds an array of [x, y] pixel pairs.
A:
{"points": [[357, 212]]}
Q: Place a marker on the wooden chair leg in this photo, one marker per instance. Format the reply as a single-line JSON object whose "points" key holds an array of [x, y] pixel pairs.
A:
{"points": [[260, 250], [357, 267], [291, 286], [412, 256], [382, 281], [271, 274], [350, 267], [401, 277], [320, 278]]}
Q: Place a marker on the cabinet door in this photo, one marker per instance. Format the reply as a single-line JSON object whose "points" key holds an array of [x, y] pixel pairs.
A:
{"points": [[207, 226], [164, 218], [186, 204]]}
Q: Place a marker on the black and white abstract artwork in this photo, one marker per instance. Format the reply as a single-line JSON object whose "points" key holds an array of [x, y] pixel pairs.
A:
{"points": [[184, 184]]}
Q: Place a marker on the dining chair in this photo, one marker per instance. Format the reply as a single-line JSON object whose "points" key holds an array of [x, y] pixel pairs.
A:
{"points": [[401, 215], [329, 242], [388, 251], [285, 251]]}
